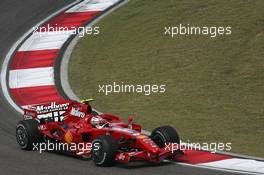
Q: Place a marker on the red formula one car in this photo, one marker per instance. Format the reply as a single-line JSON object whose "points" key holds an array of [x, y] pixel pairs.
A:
{"points": [[73, 125]]}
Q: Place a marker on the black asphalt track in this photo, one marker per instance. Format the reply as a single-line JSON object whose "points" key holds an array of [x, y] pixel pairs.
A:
{"points": [[16, 18]]}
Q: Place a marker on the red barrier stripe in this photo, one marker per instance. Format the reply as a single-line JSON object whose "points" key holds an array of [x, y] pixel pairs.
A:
{"points": [[35, 95], [69, 20], [34, 59], [196, 157]]}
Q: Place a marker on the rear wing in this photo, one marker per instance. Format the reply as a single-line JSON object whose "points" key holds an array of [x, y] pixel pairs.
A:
{"points": [[48, 111]]}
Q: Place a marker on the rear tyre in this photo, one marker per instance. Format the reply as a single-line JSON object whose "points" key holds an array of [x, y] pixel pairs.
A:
{"points": [[163, 135], [104, 150], [27, 134]]}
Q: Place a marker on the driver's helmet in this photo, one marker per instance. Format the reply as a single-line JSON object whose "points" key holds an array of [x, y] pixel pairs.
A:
{"points": [[98, 121], [86, 101]]}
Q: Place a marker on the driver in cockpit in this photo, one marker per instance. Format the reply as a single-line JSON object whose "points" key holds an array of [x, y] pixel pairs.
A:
{"points": [[96, 121]]}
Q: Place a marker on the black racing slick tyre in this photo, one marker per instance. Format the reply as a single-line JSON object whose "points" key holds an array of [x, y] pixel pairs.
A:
{"points": [[27, 134], [104, 150], [163, 135]]}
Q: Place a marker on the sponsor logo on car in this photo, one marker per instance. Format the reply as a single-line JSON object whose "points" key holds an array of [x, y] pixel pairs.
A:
{"points": [[76, 112], [68, 137], [52, 107]]}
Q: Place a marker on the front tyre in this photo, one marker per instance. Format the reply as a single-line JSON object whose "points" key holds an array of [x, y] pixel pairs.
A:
{"points": [[27, 134], [104, 150], [163, 135]]}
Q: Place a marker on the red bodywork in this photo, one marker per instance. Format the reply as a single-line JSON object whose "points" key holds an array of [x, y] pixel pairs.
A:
{"points": [[69, 122]]}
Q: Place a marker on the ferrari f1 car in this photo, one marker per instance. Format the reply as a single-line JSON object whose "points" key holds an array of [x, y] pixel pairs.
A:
{"points": [[111, 140]]}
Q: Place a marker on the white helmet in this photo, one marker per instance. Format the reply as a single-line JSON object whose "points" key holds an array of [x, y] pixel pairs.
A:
{"points": [[97, 121]]}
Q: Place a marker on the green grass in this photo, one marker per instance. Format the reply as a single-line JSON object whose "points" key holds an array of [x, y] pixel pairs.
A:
{"points": [[215, 86]]}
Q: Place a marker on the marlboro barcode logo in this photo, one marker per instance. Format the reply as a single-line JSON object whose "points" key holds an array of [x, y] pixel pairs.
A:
{"points": [[52, 107]]}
